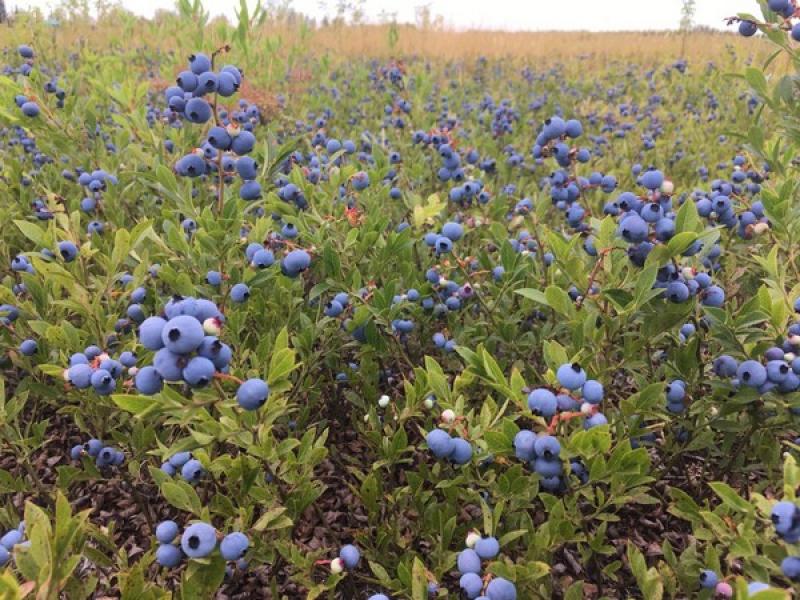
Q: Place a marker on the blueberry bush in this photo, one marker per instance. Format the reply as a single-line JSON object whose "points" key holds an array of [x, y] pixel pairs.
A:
{"points": [[276, 325]]}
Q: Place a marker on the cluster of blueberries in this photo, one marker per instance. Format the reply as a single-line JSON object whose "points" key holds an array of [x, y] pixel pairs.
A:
{"points": [[470, 564], [96, 369], [232, 133], [292, 264], [190, 469], [572, 378], [784, 8], [543, 454], [786, 519], [198, 540], [104, 456], [444, 445], [11, 538], [95, 183], [185, 349], [780, 371]]}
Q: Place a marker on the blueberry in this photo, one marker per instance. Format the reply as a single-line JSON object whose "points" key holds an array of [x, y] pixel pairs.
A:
{"points": [[676, 391], [547, 447], [28, 347], [192, 471], [350, 556], [252, 394], [790, 567], [240, 293], [749, 29], [243, 143], [752, 373], [103, 382], [179, 459], [198, 540], [166, 531], [571, 376], [501, 589], [592, 391], [93, 447], [197, 111], [169, 365], [199, 372], [468, 561], [5, 556], [725, 366], [234, 545], [214, 278], [182, 334], [168, 556], [263, 259], [453, 231], [524, 445], [708, 579], [595, 420], [127, 359], [76, 452], [30, 109], [295, 262], [471, 584], [462, 451], [11, 539], [785, 517], [199, 63], [106, 457], [487, 548], [543, 402], [440, 442], [150, 333]]}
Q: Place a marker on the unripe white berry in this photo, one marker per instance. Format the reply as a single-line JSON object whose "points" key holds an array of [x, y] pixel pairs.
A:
{"points": [[789, 356], [760, 228], [383, 401], [132, 371], [212, 326], [65, 374], [472, 539], [448, 416], [587, 408], [794, 340], [667, 187], [429, 402], [337, 566]]}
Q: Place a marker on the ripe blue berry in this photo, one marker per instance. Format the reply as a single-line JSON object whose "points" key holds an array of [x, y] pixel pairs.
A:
{"points": [[571, 376], [487, 548], [182, 334], [192, 471], [350, 556], [252, 394], [234, 545], [198, 540], [168, 556], [468, 561], [166, 531], [240, 293], [440, 442]]}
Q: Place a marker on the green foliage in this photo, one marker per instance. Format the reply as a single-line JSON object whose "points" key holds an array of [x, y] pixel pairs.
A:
{"points": [[323, 463]]}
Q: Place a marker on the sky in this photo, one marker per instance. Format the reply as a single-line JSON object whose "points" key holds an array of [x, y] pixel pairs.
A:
{"points": [[593, 15]]}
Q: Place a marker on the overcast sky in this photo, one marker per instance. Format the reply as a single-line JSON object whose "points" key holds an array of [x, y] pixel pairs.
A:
{"points": [[597, 15]]}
